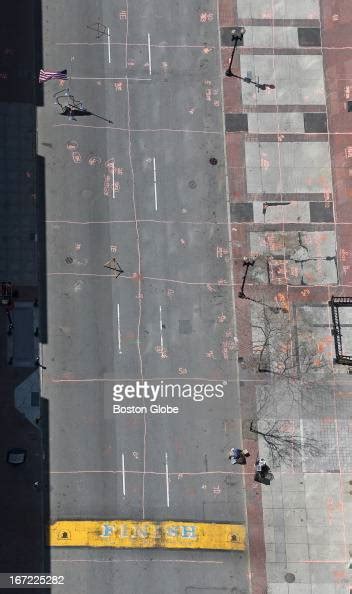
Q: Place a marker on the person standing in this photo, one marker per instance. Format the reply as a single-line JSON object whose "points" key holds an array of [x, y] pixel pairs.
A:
{"points": [[238, 456]]}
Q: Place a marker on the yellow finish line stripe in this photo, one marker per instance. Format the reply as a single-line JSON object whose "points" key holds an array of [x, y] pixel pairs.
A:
{"points": [[126, 534]]}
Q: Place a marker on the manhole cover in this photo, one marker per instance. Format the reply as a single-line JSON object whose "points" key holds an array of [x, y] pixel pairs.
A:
{"points": [[192, 184], [68, 260], [213, 161], [290, 578]]}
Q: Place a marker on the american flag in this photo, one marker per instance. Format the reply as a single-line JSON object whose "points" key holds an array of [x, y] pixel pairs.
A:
{"points": [[47, 75]]}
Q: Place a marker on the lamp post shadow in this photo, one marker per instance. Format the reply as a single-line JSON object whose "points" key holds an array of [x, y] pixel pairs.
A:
{"points": [[237, 36]]}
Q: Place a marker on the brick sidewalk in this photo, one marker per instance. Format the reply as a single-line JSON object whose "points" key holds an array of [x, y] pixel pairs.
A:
{"points": [[289, 154]]}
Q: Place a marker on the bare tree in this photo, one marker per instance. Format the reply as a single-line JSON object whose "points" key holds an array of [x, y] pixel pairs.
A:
{"points": [[288, 351], [286, 348], [282, 442]]}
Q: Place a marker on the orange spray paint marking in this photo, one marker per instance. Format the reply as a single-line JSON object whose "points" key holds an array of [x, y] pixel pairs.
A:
{"points": [[305, 292], [221, 318], [119, 85], [76, 157], [327, 198], [220, 251], [93, 160], [331, 508], [344, 254], [110, 165], [72, 145], [106, 185], [294, 271], [228, 345], [264, 163], [211, 289], [137, 276], [116, 187], [162, 351], [282, 300], [339, 575], [273, 242]]}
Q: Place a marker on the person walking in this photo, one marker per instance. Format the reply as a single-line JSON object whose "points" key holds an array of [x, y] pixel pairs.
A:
{"points": [[262, 472], [238, 456]]}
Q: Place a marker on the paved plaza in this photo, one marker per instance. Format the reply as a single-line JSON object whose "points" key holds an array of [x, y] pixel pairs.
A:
{"points": [[288, 158]]}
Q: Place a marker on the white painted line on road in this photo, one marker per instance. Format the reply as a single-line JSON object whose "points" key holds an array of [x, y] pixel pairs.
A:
{"points": [[167, 481], [109, 52], [155, 188], [113, 179], [119, 328], [301, 430], [123, 476], [161, 328], [109, 78], [149, 56]]}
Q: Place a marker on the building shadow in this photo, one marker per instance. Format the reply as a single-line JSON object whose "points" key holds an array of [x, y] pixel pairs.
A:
{"points": [[25, 487]]}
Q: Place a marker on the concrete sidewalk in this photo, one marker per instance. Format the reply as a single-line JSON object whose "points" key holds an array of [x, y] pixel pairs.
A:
{"points": [[289, 183]]}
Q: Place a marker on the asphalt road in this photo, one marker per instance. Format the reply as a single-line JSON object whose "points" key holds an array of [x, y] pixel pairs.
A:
{"points": [[141, 190]]}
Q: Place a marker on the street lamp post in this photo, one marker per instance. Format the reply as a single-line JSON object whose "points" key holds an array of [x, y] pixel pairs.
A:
{"points": [[237, 35], [247, 262]]}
